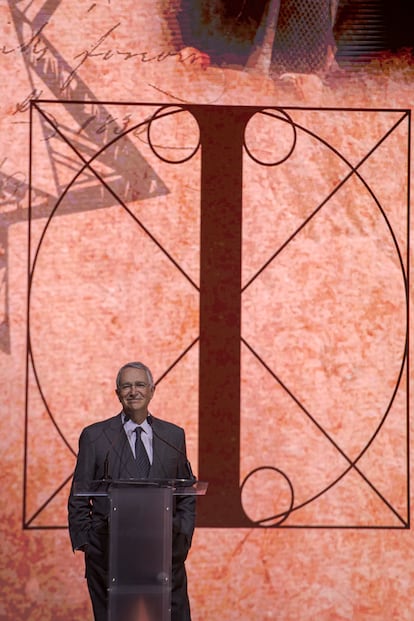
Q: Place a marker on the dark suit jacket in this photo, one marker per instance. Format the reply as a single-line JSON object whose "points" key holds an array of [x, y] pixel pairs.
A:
{"points": [[106, 441]]}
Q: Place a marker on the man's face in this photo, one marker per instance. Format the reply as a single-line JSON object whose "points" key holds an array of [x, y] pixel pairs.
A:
{"points": [[135, 393]]}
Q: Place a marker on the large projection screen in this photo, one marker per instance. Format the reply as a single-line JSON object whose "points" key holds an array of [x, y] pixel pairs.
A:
{"points": [[221, 190]]}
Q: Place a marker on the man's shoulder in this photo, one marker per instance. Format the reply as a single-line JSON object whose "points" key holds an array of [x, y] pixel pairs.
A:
{"points": [[165, 425], [99, 426]]}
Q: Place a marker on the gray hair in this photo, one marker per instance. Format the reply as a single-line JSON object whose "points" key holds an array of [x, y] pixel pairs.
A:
{"points": [[134, 365]]}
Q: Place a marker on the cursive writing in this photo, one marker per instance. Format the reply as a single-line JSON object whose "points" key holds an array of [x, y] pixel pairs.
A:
{"points": [[34, 44], [86, 54], [24, 105], [38, 46], [187, 55]]}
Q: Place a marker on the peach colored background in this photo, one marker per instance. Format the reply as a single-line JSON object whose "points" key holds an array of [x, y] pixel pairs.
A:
{"points": [[327, 316]]}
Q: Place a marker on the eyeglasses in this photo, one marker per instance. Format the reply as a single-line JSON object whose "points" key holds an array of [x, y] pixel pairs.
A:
{"points": [[128, 386]]}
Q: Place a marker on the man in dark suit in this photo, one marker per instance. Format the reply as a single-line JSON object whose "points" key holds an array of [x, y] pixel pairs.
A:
{"points": [[107, 450]]}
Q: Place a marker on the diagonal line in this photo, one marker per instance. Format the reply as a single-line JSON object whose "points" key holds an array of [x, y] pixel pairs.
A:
{"points": [[42, 507], [111, 191], [405, 355], [354, 170], [47, 502], [57, 74], [352, 464], [180, 357]]}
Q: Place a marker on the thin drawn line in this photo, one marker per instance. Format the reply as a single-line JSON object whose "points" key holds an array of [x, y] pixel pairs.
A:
{"points": [[352, 463]]}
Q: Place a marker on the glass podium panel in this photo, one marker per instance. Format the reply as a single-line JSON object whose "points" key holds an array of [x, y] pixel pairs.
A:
{"points": [[140, 553], [140, 543]]}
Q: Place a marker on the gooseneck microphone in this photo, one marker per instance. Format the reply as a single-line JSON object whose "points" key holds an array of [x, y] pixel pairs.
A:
{"points": [[106, 468], [187, 463]]}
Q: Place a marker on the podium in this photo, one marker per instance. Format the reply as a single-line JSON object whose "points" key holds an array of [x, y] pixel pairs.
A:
{"points": [[140, 543]]}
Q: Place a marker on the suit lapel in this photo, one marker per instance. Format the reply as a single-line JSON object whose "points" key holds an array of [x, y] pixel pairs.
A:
{"points": [[121, 458]]}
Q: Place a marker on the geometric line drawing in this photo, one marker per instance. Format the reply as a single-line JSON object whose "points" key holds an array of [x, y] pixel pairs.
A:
{"points": [[30, 517], [403, 521], [46, 65], [351, 462]]}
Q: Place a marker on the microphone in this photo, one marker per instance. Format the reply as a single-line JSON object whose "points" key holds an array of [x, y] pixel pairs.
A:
{"points": [[106, 475], [187, 462]]}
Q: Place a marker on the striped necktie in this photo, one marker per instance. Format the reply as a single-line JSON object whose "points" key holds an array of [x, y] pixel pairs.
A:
{"points": [[141, 455]]}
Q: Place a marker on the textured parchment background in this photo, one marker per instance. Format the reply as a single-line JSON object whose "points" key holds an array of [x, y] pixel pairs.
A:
{"points": [[327, 316]]}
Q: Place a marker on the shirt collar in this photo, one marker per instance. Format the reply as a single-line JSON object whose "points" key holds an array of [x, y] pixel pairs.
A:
{"points": [[130, 425]]}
